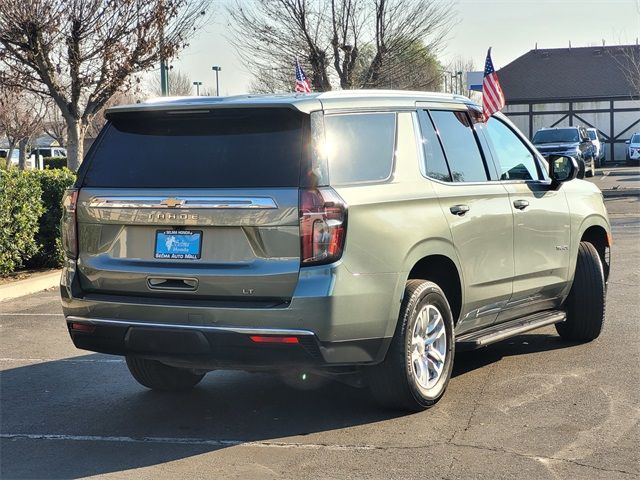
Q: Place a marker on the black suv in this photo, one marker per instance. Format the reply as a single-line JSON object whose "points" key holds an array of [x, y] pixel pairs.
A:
{"points": [[569, 141]]}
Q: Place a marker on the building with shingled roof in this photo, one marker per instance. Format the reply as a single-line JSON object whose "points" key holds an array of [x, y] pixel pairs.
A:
{"points": [[595, 87]]}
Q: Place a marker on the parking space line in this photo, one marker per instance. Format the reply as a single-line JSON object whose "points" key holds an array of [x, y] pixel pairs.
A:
{"points": [[67, 360], [22, 314], [182, 441]]}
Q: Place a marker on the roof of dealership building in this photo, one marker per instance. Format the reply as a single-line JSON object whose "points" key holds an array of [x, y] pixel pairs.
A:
{"points": [[585, 73]]}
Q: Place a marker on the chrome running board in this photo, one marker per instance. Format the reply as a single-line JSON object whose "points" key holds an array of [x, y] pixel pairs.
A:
{"points": [[502, 331]]}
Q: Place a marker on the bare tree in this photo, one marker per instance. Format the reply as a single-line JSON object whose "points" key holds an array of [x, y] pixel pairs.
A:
{"points": [[345, 43], [459, 66], [81, 52], [21, 116], [628, 59], [53, 123], [97, 121], [179, 85]]}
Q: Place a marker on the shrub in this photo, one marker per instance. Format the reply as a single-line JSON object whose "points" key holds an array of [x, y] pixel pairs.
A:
{"points": [[53, 183], [20, 211], [54, 162]]}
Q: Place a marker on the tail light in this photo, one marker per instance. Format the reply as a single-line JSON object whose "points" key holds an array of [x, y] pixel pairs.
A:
{"points": [[68, 225], [323, 226]]}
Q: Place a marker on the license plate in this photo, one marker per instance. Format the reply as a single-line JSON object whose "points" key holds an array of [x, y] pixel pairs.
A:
{"points": [[178, 244]]}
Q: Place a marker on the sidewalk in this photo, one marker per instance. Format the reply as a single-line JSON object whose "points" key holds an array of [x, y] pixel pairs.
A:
{"points": [[618, 181], [33, 284]]}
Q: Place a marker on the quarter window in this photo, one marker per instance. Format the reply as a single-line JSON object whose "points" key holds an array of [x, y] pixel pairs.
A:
{"points": [[460, 146], [515, 160], [360, 147]]}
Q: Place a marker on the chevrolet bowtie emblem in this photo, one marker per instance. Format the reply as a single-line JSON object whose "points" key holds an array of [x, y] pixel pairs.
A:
{"points": [[172, 202]]}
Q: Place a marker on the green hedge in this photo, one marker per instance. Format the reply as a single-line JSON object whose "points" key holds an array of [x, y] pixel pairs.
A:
{"points": [[53, 184], [54, 162], [20, 211], [30, 212]]}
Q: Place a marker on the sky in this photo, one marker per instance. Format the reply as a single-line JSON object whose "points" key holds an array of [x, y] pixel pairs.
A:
{"points": [[511, 27]]}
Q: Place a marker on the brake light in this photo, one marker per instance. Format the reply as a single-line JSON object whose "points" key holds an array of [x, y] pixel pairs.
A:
{"points": [[323, 226], [69, 228]]}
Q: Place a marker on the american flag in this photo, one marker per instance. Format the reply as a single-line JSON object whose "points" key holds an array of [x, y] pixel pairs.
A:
{"points": [[302, 83], [492, 96]]}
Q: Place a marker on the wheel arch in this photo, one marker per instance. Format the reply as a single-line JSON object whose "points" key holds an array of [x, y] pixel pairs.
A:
{"points": [[600, 238], [441, 270], [596, 230]]}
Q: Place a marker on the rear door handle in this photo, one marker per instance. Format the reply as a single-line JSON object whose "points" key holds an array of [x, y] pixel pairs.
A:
{"points": [[520, 204], [459, 209]]}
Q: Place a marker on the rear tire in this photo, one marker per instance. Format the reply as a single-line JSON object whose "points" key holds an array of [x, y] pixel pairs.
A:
{"points": [[418, 365], [585, 305], [158, 376], [582, 167]]}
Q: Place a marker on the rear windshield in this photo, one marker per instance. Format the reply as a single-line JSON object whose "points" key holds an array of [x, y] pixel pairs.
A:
{"points": [[559, 135], [218, 149]]}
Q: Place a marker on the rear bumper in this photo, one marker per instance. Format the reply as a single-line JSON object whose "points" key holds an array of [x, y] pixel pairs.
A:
{"points": [[207, 347], [339, 319]]}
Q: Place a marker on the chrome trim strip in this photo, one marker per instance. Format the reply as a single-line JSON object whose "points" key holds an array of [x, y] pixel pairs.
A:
{"points": [[257, 203], [442, 104], [243, 330]]}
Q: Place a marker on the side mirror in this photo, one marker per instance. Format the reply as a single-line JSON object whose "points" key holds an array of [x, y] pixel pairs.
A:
{"points": [[562, 169], [627, 142]]}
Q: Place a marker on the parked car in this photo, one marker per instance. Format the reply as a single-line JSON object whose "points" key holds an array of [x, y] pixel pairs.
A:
{"points": [[571, 141], [49, 151], [361, 235], [598, 141], [633, 148], [15, 157]]}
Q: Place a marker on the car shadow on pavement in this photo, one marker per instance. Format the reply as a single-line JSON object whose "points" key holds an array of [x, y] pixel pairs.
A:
{"points": [[84, 416], [520, 345]]}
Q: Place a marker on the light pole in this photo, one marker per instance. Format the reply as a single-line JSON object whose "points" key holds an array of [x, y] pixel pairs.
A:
{"points": [[164, 69], [197, 84], [217, 69]]}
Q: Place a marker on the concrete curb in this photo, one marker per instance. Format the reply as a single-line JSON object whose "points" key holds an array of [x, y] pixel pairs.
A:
{"points": [[28, 286], [623, 192]]}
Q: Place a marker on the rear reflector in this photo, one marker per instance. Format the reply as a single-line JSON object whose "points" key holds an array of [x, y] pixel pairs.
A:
{"points": [[83, 327], [273, 339]]}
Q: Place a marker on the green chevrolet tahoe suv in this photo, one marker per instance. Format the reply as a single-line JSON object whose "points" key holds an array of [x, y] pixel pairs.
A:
{"points": [[361, 235]]}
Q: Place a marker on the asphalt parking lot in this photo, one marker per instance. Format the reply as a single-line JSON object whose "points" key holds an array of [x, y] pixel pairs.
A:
{"points": [[530, 407]]}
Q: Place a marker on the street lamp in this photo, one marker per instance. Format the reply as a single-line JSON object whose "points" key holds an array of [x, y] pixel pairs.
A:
{"points": [[217, 69], [197, 84], [454, 83]]}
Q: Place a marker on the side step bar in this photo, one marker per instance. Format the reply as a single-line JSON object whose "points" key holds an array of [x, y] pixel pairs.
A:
{"points": [[501, 331]]}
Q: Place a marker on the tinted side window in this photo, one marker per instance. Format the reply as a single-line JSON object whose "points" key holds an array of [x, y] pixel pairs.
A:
{"points": [[460, 146], [360, 147], [435, 163], [515, 161]]}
